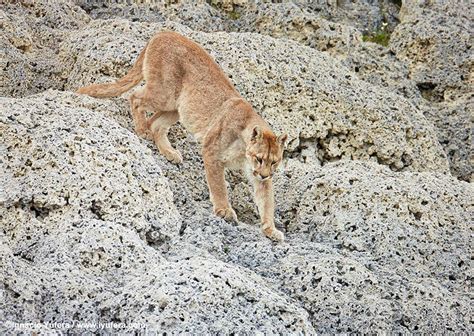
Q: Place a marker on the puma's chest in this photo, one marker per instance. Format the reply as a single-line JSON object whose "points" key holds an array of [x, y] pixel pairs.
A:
{"points": [[233, 156]]}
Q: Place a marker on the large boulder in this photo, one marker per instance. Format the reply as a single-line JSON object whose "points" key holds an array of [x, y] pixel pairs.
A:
{"points": [[207, 296], [83, 202], [305, 93], [365, 15], [97, 276], [403, 241], [365, 207], [288, 20], [197, 15], [367, 249], [29, 38], [62, 162], [434, 39], [454, 125]]}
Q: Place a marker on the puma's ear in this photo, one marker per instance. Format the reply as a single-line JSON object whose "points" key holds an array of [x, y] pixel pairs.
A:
{"points": [[256, 133], [282, 139]]}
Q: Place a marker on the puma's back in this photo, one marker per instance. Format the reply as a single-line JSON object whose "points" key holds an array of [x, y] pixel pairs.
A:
{"points": [[176, 62], [180, 76], [172, 54], [184, 77]]}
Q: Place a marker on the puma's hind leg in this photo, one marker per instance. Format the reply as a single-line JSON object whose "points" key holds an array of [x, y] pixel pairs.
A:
{"points": [[159, 125], [139, 104]]}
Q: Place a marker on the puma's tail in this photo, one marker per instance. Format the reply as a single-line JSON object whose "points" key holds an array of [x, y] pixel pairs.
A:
{"points": [[131, 79]]}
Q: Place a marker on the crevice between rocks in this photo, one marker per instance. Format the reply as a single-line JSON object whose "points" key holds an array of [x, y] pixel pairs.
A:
{"points": [[315, 148]]}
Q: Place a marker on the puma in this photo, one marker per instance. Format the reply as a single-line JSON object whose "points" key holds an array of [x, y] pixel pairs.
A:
{"points": [[184, 83]]}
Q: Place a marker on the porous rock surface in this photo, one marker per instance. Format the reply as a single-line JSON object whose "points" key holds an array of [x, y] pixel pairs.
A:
{"points": [[435, 40], [325, 103], [29, 37], [97, 227]]}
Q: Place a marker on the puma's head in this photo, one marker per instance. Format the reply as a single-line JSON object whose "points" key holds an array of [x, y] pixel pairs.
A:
{"points": [[265, 152]]}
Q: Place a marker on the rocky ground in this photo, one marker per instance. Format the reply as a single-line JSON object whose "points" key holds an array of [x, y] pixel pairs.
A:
{"points": [[375, 195]]}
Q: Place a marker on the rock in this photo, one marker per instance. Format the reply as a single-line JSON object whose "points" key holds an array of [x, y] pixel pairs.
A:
{"points": [[362, 241], [379, 66], [27, 73], [92, 55], [229, 5], [85, 197], [75, 263], [236, 15], [31, 32], [298, 90], [384, 211], [63, 162], [106, 273], [403, 242], [287, 20], [364, 15], [435, 40], [344, 294], [207, 296], [454, 124], [315, 99], [130, 11], [368, 61], [197, 15]]}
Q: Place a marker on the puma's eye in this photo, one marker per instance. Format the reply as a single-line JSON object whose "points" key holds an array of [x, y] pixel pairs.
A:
{"points": [[259, 160], [274, 163]]}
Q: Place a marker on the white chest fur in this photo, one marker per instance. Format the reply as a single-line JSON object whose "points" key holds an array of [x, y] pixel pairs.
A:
{"points": [[234, 156]]}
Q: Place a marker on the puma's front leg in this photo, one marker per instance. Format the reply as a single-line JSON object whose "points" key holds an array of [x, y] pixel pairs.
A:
{"points": [[266, 208], [217, 188]]}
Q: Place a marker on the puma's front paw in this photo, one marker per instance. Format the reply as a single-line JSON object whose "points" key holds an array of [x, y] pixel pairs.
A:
{"points": [[227, 213], [272, 232]]}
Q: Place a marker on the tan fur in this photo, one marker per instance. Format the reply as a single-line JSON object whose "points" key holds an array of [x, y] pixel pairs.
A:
{"points": [[184, 83]]}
